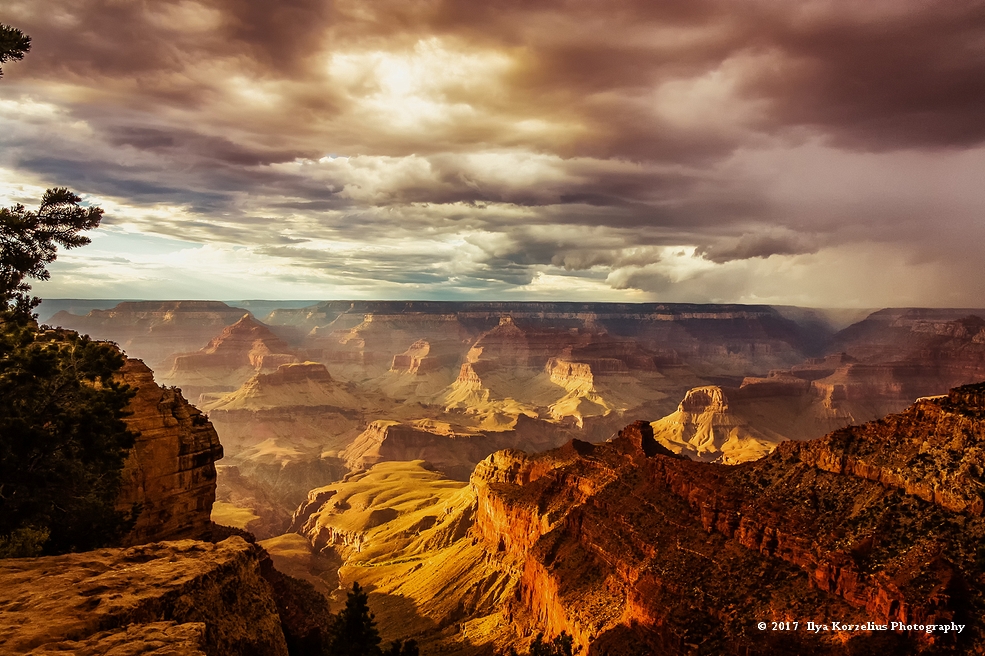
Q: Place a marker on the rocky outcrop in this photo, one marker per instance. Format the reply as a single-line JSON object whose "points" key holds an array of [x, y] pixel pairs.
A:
{"points": [[170, 472], [735, 425], [151, 639], [621, 545], [186, 595], [935, 450], [418, 359]]}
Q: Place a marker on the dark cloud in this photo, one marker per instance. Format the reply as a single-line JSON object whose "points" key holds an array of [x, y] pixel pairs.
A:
{"points": [[179, 142], [759, 245], [545, 137]]}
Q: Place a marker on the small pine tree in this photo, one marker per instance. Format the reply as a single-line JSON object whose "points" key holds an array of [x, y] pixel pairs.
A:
{"points": [[354, 630], [13, 44], [561, 645], [402, 648]]}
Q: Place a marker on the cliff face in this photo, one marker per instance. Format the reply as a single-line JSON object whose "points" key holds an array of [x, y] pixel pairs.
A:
{"points": [[184, 597], [619, 544], [941, 344], [170, 471], [735, 337]]}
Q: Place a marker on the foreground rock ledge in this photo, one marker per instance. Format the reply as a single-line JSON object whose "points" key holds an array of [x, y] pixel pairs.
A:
{"points": [[196, 597]]}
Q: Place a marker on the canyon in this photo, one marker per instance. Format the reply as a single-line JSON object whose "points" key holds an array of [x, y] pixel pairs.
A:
{"points": [[630, 548], [478, 468]]}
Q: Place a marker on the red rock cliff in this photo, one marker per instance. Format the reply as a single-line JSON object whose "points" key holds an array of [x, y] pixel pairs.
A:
{"points": [[632, 551]]}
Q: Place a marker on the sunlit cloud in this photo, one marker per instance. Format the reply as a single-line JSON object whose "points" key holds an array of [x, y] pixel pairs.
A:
{"points": [[687, 151]]}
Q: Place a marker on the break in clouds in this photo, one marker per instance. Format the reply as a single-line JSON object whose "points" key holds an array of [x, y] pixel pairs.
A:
{"points": [[814, 153]]}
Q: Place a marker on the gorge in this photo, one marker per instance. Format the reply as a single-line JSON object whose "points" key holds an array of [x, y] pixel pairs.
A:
{"points": [[646, 479]]}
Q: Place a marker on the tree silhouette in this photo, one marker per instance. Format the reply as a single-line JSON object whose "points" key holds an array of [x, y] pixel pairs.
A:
{"points": [[405, 648], [354, 630], [354, 633], [63, 438], [13, 44], [29, 242], [561, 645]]}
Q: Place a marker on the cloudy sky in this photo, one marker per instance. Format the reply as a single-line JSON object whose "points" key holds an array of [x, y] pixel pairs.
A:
{"points": [[823, 153]]}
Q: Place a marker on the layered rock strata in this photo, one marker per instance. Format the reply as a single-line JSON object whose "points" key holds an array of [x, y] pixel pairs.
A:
{"points": [[170, 472], [240, 351], [297, 412], [705, 427], [631, 550], [938, 346]]}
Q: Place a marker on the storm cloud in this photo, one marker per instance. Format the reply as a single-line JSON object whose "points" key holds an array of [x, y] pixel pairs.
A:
{"points": [[696, 150]]}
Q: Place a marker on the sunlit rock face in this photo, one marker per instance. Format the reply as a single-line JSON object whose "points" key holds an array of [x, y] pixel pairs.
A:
{"points": [[154, 330], [404, 531], [182, 597], [706, 428], [731, 425], [170, 471], [617, 544]]}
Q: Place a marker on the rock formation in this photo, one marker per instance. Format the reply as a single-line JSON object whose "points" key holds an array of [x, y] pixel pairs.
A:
{"points": [[183, 597], [153, 330], [170, 471], [704, 427], [577, 373], [306, 384], [880, 523], [403, 531], [240, 351], [151, 597], [940, 346], [732, 425], [633, 549]]}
